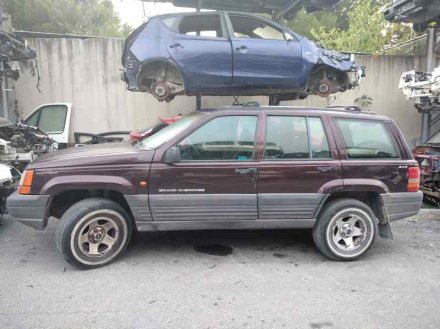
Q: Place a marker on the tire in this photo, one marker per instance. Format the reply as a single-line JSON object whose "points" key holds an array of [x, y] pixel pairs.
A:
{"points": [[345, 229], [93, 232]]}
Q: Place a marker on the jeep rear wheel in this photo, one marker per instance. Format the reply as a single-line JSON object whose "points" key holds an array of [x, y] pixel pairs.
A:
{"points": [[345, 229], [93, 232]]}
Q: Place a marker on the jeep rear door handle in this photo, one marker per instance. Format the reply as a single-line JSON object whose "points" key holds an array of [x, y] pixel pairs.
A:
{"points": [[241, 171], [326, 169]]}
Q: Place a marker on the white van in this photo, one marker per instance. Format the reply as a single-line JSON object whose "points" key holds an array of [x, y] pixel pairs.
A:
{"points": [[54, 120]]}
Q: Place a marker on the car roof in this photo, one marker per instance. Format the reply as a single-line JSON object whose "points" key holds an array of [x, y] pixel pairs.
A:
{"points": [[219, 12], [337, 111], [211, 12]]}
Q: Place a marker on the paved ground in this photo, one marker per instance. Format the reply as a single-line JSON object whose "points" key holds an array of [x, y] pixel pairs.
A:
{"points": [[272, 279]]}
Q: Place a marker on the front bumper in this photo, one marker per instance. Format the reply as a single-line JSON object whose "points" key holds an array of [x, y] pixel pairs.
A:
{"points": [[30, 210], [402, 205]]}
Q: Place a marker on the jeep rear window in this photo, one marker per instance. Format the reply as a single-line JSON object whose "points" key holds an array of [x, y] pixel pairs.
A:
{"points": [[366, 139]]}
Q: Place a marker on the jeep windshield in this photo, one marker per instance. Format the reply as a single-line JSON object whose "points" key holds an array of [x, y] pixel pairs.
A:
{"points": [[169, 132]]}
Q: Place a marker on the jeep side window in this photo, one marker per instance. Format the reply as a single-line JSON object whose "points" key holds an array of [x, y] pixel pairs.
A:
{"points": [[367, 139], [287, 138], [197, 25], [318, 139], [223, 138]]}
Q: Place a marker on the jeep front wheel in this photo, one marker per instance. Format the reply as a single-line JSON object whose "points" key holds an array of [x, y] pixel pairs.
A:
{"points": [[93, 232], [345, 229]]}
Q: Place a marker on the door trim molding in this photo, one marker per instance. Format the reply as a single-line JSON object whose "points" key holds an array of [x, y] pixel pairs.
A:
{"points": [[291, 206], [226, 225], [212, 207]]}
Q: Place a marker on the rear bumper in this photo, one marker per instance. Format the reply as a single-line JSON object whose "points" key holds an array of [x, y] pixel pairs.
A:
{"points": [[29, 209], [402, 205]]}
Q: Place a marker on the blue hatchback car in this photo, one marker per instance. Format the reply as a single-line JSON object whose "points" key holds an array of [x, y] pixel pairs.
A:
{"points": [[230, 54]]}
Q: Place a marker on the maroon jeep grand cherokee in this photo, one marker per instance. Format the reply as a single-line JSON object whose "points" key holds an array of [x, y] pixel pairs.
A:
{"points": [[346, 174]]}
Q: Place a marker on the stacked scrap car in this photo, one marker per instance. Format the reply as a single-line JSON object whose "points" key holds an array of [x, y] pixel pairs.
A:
{"points": [[419, 12], [230, 54], [423, 88]]}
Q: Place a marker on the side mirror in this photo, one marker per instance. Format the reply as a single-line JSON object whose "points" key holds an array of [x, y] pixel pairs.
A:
{"points": [[172, 155]]}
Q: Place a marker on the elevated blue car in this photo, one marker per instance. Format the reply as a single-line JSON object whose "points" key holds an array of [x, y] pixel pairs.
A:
{"points": [[230, 54]]}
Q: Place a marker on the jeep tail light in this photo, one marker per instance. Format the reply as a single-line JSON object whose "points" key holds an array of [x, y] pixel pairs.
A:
{"points": [[26, 182], [413, 179]]}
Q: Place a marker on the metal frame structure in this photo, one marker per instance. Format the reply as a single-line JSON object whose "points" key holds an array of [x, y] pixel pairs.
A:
{"points": [[276, 8], [430, 120]]}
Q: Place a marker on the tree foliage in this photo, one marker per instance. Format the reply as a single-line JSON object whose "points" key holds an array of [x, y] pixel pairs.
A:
{"points": [[84, 17], [354, 25]]}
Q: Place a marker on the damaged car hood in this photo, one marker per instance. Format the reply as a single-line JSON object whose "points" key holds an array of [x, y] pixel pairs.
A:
{"points": [[99, 154], [316, 53]]}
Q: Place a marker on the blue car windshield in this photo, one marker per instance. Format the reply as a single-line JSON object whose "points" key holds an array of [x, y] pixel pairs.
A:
{"points": [[169, 132]]}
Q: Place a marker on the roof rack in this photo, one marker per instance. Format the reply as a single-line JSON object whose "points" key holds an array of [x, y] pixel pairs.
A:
{"points": [[346, 108]]}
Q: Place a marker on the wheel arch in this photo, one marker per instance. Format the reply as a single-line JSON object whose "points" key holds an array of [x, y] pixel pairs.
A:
{"points": [[316, 68], [370, 197], [155, 64], [63, 200]]}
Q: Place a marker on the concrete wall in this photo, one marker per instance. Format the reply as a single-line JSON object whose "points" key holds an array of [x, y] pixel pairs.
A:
{"points": [[86, 73]]}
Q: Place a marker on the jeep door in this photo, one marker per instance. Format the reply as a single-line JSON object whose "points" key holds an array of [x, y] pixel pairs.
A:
{"points": [[216, 178], [373, 155], [263, 54], [202, 50], [297, 167]]}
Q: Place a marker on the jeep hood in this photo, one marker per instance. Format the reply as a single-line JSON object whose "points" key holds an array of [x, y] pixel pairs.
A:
{"points": [[94, 155]]}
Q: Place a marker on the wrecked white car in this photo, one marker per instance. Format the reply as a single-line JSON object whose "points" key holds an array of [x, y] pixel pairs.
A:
{"points": [[20, 143], [423, 88]]}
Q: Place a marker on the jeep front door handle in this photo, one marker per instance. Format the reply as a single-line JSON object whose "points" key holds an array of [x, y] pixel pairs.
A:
{"points": [[241, 171]]}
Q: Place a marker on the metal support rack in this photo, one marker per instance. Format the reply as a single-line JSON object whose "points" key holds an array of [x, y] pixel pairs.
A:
{"points": [[431, 120]]}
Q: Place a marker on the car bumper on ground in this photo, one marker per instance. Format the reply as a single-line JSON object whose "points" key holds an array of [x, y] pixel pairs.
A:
{"points": [[402, 205], [29, 209]]}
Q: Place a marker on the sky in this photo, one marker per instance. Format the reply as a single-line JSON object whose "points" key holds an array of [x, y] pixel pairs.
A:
{"points": [[132, 12]]}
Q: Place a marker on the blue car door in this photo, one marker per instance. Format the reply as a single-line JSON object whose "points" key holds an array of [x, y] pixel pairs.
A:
{"points": [[263, 54], [202, 50]]}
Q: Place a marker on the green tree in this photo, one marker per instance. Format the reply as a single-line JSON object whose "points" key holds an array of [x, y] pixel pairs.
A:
{"points": [[304, 23], [85, 17], [353, 25]]}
